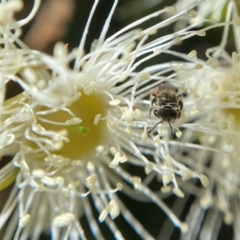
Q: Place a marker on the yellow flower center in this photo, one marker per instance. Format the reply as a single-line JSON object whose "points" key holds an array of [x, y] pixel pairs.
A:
{"points": [[231, 87], [85, 136]]}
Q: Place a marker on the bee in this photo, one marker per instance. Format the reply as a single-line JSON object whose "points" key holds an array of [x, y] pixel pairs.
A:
{"points": [[166, 104]]}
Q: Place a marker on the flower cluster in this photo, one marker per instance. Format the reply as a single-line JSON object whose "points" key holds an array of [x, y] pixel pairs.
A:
{"points": [[78, 135], [213, 112], [211, 132]]}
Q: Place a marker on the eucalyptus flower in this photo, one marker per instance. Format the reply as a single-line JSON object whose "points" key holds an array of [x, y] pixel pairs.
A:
{"points": [[210, 142], [79, 135]]}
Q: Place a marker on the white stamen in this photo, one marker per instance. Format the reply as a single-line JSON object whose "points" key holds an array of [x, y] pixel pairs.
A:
{"points": [[59, 180], [184, 227], [169, 161], [115, 102], [90, 182], [23, 221], [63, 220], [198, 66], [30, 75], [74, 184], [103, 215], [204, 180], [24, 166], [192, 54], [149, 168], [178, 192], [228, 218], [96, 119], [114, 209], [171, 9], [113, 150], [48, 181], [166, 189], [38, 173], [201, 33], [179, 133], [137, 183], [206, 201], [119, 186]]}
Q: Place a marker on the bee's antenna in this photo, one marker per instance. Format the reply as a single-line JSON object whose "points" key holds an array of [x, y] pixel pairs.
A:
{"points": [[154, 127]]}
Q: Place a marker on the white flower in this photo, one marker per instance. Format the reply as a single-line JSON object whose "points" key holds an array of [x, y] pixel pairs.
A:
{"points": [[77, 134], [210, 139]]}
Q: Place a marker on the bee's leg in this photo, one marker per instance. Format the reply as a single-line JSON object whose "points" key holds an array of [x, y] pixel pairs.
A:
{"points": [[153, 101], [170, 127], [178, 113], [179, 97], [154, 127], [180, 103], [179, 100]]}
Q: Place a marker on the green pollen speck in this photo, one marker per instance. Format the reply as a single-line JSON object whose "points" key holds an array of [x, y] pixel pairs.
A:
{"points": [[79, 129]]}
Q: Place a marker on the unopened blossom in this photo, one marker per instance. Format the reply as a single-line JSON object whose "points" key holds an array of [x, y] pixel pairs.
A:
{"points": [[78, 135], [210, 139]]}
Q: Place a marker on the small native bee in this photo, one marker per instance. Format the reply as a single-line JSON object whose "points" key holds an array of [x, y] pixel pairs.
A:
{"points": [[166, 104]]}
